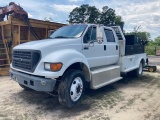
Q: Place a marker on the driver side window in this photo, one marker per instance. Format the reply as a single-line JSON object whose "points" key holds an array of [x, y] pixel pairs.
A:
{"points": [[90, 35]]}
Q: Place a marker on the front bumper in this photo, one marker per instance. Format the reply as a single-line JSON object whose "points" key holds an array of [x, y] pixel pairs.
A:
{"points": [[33, 82]]}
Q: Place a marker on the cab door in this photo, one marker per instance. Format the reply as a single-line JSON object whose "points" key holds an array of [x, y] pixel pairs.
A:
{"points": [[112, 47], [92, 50]]}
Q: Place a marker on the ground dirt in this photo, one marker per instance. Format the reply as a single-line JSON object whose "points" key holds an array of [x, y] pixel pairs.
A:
{"points": [[128, 99]]}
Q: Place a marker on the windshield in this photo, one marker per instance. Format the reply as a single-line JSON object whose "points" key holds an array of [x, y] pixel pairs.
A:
{"points": [[72, 31]]}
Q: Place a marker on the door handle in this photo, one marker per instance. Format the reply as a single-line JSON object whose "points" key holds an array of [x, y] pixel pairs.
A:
{"points": [[86, 48], [105, 47], [116, 47]]}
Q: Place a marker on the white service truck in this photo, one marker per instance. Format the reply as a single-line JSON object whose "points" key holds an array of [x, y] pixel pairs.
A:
{"points": [[76, 57]]}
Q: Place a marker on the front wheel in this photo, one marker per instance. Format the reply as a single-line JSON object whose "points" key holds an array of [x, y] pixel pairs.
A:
{"points": [[71, 88]]}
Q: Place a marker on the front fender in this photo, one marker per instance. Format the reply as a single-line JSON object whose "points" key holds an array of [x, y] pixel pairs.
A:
{"points": [[66, 57]]}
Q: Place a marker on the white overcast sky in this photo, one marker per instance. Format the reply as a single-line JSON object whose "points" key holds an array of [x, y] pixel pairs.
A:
{"points": [[136, 12]]}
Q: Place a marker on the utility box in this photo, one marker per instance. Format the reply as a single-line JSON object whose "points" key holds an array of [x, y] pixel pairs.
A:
{"points": [[134, 45], [133, 40]]}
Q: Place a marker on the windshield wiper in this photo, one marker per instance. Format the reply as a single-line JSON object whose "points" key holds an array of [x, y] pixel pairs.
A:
{"points": [[64, 37], [61, 37]]}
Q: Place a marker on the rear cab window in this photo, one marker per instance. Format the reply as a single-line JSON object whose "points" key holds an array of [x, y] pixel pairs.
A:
{"points": [[109, 35]]}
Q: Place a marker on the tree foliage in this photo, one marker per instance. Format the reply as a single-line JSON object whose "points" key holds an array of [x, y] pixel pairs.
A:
{"points": [[107, 16], [84, 13], [91, 14], [152, 45], [119, 21], [157, 41]]}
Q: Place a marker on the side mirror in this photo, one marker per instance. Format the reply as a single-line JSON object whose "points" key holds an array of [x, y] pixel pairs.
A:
{"points": [[89, 44], [99, 34]]}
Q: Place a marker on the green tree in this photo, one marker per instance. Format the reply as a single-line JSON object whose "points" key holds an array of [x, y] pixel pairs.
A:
{"points": [[107, 16], [151, 43], [144, 35], [119, 21], [91, 14], [84, 13], [157, 41]]}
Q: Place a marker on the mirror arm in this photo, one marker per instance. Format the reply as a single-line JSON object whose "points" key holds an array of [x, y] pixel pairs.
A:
{"points": [[99, 33]]}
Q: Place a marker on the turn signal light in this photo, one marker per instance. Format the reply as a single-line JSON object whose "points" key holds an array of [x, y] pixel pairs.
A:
{"points": [[55, 66]]}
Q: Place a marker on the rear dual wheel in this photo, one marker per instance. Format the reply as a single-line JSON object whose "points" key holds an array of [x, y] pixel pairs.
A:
{"points": [[137, 72]]}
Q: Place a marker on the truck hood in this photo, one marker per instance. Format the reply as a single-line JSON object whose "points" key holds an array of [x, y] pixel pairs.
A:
{"points": [[46, 43]]}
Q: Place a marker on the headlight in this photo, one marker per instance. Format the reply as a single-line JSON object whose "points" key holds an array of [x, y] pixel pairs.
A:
{"points": [[47, 66], [53, 66]]}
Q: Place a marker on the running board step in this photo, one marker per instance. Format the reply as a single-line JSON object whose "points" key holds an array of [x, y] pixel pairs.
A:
{"points": [[104, 76]]}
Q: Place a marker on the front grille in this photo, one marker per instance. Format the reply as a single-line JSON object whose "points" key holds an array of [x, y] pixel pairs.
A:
{"points": [[26, 60]]}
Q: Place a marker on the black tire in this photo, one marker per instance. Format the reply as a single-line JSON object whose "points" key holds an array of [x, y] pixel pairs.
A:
{"points": [[137, 72], [155, 68], [71, 79], [24, 87]]}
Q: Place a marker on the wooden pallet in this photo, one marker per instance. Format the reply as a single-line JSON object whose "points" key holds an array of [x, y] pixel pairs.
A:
{"points": [[14, 32], [4, 71]]}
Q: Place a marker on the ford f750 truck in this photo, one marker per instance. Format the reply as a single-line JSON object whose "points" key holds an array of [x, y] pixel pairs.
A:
{"points": [[76, 57]]}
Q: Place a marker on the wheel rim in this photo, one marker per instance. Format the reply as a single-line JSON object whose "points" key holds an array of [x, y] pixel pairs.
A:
{"points": [[76, 89], [151, 70], [140, 69]]}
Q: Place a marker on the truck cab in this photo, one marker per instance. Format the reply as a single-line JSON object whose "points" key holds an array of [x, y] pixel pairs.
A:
{"points": [[106, 53], [73, 58]]}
